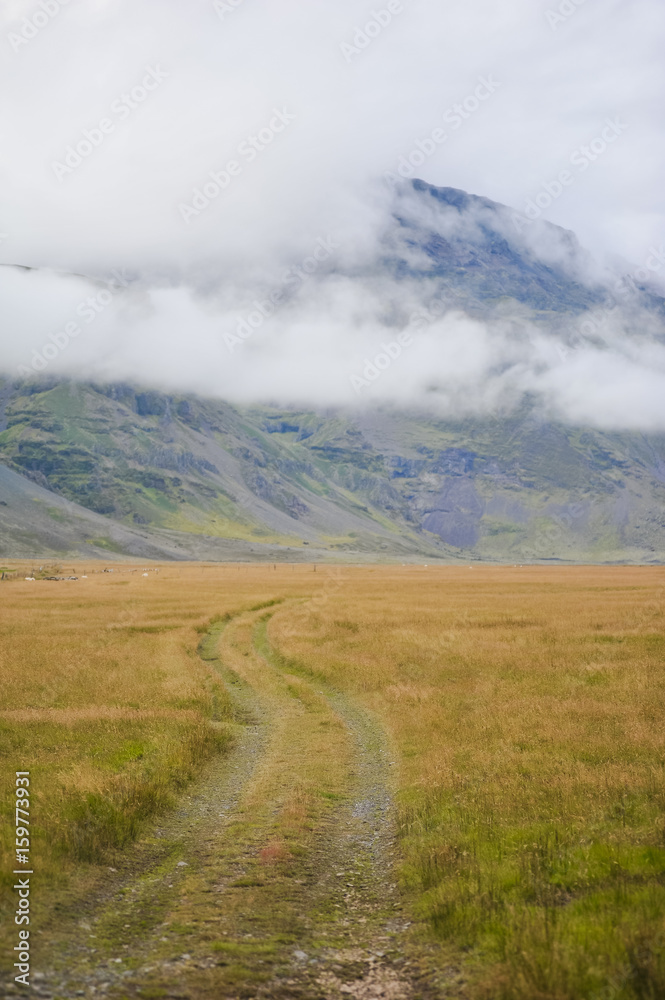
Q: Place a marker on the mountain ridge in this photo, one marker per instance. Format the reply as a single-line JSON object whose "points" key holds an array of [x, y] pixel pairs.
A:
{"points": [[189, 474]]}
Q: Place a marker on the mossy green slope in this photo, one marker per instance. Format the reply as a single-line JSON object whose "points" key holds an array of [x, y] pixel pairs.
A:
{"points": [[387, 484]]}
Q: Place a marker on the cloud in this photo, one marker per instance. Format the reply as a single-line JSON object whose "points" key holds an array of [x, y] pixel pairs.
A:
{"points": [[341, 341], [148, 103]]}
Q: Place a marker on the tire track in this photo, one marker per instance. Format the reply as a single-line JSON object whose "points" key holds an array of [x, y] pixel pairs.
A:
{"points": [[203, 908], [142, 889], [354, 893]]}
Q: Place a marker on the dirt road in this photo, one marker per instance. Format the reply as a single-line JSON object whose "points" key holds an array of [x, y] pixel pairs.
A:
{"points": [[275, 877]]}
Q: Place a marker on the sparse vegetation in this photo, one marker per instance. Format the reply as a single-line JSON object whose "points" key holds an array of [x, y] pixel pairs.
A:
{"points": [[501, 490], [523, 707], [527, 706]]}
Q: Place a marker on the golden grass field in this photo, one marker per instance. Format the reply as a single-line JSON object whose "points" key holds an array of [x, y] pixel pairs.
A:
{"points": [[523, 709]]}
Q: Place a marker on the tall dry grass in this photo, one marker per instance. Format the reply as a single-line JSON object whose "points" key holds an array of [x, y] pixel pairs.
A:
{"points": [[527, 708], [106, 701]]}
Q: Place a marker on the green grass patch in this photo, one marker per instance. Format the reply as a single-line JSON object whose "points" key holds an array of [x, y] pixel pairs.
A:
{"points": [[585, 875], [132, 779], [245, 949]]}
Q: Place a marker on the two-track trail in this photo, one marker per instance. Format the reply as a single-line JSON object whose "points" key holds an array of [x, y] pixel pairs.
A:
{"points": [[275, 876]]}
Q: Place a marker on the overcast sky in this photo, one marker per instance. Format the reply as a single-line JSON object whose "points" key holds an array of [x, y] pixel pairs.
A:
{"points": [[115, 111]]}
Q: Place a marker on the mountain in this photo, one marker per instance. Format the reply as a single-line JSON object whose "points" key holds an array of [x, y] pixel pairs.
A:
{"points": [[116, 469], [480, 253], [36, 522], [471, 253]]}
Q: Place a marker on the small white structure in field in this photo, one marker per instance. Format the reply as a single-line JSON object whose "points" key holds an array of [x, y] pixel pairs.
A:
{"points": [[145, 574]]}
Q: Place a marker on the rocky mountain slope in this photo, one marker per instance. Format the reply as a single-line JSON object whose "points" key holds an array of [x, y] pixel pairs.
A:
{"points": [[475, 254], [117, 468], [176, 476]]}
